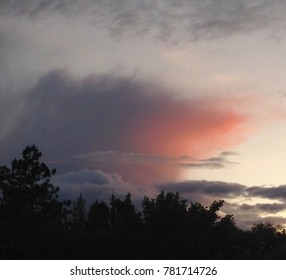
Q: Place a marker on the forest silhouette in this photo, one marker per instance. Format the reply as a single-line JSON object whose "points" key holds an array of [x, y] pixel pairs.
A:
{"points": [[36, 224]]}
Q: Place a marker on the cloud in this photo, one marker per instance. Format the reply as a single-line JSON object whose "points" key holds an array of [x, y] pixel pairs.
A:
{"points": [[88, 177], [232, 190], [271, 207], [217, 162], [102, 131], [130, 158], [153, 167], [209, 188], [205, 192], [228, 153], [174, 21], [268, 192], [141, 121], [97, 185], [234, 195], [245, 215], [264, 207]]}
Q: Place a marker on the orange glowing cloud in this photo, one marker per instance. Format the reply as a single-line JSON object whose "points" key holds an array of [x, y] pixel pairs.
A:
{"points": [[194, 128]]}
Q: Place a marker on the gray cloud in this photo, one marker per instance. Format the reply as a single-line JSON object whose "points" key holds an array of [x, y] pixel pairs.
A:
{"points": [[229, 153], [246, 215], [96, 185], [99, 185], [263, 207], [108, 157], [167, 20], [220, 161], [232, 190], [268, 192], [73, 116], [210, 188], [208, 165], [271, 207], [87, 177]]}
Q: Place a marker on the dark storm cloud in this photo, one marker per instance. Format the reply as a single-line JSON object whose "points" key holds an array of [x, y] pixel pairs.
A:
{"points": [[168, 20], [64, 116], [103, 121], [75, 116]]}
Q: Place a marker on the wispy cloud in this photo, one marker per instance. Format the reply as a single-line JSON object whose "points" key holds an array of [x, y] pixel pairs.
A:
{"points": [[220, 161], [167, 20]]}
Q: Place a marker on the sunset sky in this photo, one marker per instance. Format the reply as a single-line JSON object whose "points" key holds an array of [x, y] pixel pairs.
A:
{"points": [[140, 96]]}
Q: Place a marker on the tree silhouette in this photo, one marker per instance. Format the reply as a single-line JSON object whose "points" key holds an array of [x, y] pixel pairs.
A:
{"points": [[34, 224], [30, 210], [98, 218], [78, 215], [126, 228], [268, 241], [165, 221], [26, 185], [123, 214]]}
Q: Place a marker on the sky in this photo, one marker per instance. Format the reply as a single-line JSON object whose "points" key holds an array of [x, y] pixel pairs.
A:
{"points": [[142, 96]]}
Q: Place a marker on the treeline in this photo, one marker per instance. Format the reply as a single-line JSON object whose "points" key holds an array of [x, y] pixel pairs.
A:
{"points": [[35, 224]]}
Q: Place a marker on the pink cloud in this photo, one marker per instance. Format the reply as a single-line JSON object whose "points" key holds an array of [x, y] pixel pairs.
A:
{"points": [[184, 129], [175, 128]]}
